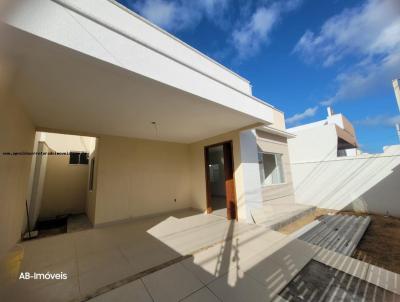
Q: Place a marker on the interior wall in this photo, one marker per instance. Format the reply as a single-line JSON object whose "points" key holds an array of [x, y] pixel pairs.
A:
{"points": [[38, 179], [198, 178], [138, 177], [91, 194], [279, 193], [17, 134], [65, 187]]}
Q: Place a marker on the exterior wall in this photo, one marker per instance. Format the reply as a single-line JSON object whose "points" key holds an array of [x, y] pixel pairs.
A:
{"points": [[367, 183], [250, 169], [198, 177], [281, 193], [279, 121], [313, 144], [65, 187], [140, 177], [17, 134]]}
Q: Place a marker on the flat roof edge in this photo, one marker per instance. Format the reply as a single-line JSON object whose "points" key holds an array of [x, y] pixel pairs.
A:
{"points": [[176, 39], [127, 35]]}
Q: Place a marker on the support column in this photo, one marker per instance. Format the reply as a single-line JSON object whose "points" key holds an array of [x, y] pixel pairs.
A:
{"points": [[251, 172]]}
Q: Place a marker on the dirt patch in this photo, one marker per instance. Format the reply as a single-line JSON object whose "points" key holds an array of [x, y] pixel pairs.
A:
{"points": [[298, 224], [380, 244]]}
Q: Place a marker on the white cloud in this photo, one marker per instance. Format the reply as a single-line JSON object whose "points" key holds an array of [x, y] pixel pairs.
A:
{"points": [[248, 37], [251, 29], [180, 15], [369, 34], [309, 112], [366, 78], [380, 120], [370, 29]]}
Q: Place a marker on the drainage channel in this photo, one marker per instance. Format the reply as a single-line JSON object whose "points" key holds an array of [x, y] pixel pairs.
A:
{"points": [[132, 278]]}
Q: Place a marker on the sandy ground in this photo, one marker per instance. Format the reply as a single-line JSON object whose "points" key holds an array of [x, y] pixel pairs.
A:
{"points": [[298, 224], [380, 244]]}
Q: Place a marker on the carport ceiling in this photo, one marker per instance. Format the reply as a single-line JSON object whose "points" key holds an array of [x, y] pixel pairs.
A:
{"points": [[67, 91]]}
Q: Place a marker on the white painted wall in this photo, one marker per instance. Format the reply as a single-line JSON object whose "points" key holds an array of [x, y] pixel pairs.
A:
{"points": [[277, 193], [313, 143], [368, 183], [251, 172], [16, 135]]}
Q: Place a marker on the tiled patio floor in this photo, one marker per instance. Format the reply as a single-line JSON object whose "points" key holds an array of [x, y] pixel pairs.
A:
{"points": [[230, 261]]}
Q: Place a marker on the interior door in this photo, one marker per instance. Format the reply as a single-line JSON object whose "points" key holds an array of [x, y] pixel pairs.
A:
{"points": [[229, 182]]}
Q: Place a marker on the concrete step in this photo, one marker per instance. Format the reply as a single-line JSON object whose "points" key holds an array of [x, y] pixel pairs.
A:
{"points": [[276, 216]]}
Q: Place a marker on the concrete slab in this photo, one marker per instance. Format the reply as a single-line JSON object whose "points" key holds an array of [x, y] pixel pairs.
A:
{"points": [[319, 282], [372, 274], [342, 263], [384, 278], [277, 215], [340, 233]]}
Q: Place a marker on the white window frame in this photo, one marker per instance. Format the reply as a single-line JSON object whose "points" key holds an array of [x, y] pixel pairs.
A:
{"points": [[280, 168]]}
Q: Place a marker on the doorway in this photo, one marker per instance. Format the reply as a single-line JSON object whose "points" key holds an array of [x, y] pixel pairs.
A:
{"points": [[60, 184], [220, 184]]}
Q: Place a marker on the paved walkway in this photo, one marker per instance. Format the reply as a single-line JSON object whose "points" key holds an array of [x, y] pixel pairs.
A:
{"points": [[185, 256]]}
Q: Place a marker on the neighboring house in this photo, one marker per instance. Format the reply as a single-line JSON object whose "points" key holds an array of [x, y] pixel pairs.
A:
{"points": [[329, 171], [173, 128], [326, 139]]}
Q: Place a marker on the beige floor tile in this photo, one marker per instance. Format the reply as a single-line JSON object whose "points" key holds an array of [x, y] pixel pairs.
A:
{"points": [[144, 256], [42, 253], [275, 271], [61, 291], [131, 292], [202, 295], [103, 258], [237, 287], [93, 280], [172, 283], [213, 262]]}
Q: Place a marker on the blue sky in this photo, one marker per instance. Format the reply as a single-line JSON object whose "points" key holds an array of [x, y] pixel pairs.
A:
{"points": [[300, 55]]}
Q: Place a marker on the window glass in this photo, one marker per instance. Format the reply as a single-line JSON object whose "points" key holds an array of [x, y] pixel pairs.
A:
{"points": [[78, 158], [271, 168]]}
